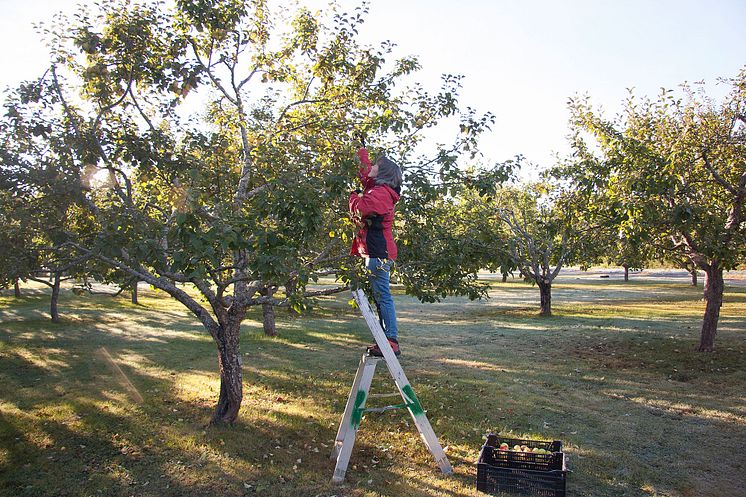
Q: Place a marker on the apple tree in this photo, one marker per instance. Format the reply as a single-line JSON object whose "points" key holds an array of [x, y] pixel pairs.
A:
{"points": [[447, 235], [212, 145], [673, 168], [40, 188], [545, 233], [625, 250]]}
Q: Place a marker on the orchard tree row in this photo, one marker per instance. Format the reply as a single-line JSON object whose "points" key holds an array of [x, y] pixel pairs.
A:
{"points": [[208, 150]]}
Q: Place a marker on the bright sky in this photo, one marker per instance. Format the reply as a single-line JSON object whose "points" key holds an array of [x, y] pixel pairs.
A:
{"points": [[521, 60]]}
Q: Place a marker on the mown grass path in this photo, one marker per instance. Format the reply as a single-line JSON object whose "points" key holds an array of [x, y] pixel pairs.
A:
{"points": [[113, 400]]}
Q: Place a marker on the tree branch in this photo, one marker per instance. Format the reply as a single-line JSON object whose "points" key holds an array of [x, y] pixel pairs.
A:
{"points": [[286, 301], [212, 77], [721, 181], [76, 128], [39, 280], [142, 113], [564, 252], [162, 283], [328, 291], [248, 78]]}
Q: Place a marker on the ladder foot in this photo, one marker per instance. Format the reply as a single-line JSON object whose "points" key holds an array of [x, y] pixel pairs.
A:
{"points": [[335, 450], [445, 466]]}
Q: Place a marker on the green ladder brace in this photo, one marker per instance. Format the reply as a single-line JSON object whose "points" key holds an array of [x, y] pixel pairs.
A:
{"points": [[359, 393]]}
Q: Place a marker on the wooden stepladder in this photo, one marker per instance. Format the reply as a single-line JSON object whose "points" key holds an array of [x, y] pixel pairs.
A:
{"points": [[355, 408]]}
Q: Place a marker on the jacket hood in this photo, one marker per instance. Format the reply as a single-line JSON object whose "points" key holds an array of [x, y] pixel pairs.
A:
{"points": [[395, 195]]}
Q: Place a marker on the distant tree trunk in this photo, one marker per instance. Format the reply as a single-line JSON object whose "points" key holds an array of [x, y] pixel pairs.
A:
{"points": [[505, 277], [55, 297], [690, 267], [545, 290], [231, 376], [290, 288], [17, 288], [693, 272], [626, 271], [134, 292], [714, 288], [268, 313]]}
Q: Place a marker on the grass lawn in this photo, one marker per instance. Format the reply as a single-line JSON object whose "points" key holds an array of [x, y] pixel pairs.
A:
{"points": [[113, 401]]}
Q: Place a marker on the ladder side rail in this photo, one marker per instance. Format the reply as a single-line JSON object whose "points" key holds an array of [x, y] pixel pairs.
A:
{"points": [[354, 418], [375, 327], [425, 429], [345, 422], [392, 363]]}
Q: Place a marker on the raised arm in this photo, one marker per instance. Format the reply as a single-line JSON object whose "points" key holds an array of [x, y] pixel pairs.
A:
{"points": [[365, 165]]}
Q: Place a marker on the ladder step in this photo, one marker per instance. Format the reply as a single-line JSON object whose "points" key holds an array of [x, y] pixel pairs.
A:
{"points": [[383, 395], [385, 408]]}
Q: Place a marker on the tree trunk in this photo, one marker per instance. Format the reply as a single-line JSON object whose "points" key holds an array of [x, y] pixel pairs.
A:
{"points": [[17, 288], [626, 272], [134, 292], [545, 290], [268, 312], [231, 377], [55, 297], [505, 277], [693, 272], [714, 287], [291, 287]]}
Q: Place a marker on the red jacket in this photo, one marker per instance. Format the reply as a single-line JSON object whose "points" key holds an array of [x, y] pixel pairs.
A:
{"points": [[373, 210]]}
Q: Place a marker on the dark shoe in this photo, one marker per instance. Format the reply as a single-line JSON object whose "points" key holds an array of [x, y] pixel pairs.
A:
{"points": [[375, 350]]}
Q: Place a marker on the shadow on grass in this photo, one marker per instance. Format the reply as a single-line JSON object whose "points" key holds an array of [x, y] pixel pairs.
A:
{"points": [[69, 427], [604, 384]]}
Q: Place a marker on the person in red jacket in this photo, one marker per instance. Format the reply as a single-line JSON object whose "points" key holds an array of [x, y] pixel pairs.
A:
{"points": [[373, 209]]}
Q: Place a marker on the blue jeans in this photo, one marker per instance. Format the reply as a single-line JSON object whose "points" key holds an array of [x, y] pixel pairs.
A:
{"points": [[379, 272]]}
